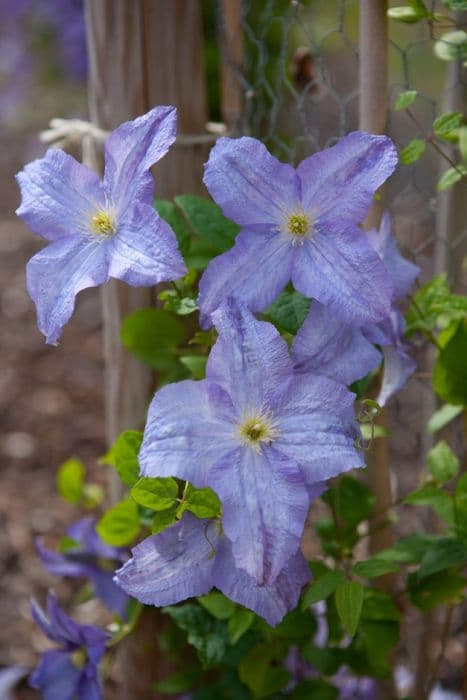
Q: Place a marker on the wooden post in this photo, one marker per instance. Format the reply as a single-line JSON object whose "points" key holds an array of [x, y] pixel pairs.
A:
{"points": [[143, 53], [231, 50]]}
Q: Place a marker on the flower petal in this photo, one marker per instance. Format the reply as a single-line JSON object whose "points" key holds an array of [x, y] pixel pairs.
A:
{"points": [[254, 271], [144, 250], [58, 195], [56, 676], [264, 505], [250, 360], [340, 181], [339, 268], [174, 565], [106, 590], [270, 601], [252, 187], [324, 345], [398, 366], [402, 272], [58, 565], [316, 428], [57, 273], [189, 428], [131, 150]]}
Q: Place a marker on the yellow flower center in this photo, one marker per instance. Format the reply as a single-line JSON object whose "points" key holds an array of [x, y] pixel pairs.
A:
{"points": [[79, 658], [257, 429], [298, 225], [103, 223]]}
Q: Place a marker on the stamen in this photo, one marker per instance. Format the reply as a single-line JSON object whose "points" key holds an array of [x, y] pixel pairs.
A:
{"points": [[298, 225], [79, 658], [103, 223], [257, 429]]}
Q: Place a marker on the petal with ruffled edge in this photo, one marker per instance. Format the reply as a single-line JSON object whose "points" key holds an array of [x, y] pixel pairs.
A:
{"points": [[316, 428], [59, 196], [339, 182], [402, 272], [264, 506], [189, 428], [250, 359], [56, 274], [173, 565], [144, 250], [269, 601], [56, 676], [339, 268], [398, 366], [254, 271], [325, 345], [131, 150], [251, 186]]}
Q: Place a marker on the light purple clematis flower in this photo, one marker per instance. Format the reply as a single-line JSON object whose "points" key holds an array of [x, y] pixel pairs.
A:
{"points": [[98, 230], [257, 433], [191, 557], [71, 672], [91, 559], [300, 225], [345, 353]]}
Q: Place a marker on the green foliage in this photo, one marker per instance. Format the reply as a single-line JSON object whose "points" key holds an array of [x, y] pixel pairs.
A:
{"points": [[441, 588], [433, 496], [374, 567], [412, 152], [349, 601], [169, 211], [460, 507], [195, 364], [316, 688], [179, 682], [442, 462], [120, 525], [409, 14], [444, 553], [207, 221], [164, 519], [451, 176], [123, 456], [288, 311], [155, 493], [459, 5], [433, 306], [450, 372], [203, 503], [351, 503], [442, 417], [405, 99], [70, 480], [206, 634], [452, 46], [153, 336], [218, 605], [322, 587], [446, 123], [408, 550], [239, 623], [259, 672]]}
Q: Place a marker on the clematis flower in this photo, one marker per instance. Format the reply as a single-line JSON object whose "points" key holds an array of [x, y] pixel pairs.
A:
{"points": [[71, 672], [300, 225], [345, 353], [257, 433], [191, 557], [89, 558], [98, 230]]}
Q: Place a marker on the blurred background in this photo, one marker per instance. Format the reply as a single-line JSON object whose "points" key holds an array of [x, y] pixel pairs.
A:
{"points": [[283, 70]]}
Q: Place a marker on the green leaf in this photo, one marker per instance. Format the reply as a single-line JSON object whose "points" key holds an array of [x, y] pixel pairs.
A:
{"points": [[442, 417], [405, 99], [408, 550], [438, 589], [204, 503], [196, 364], [157, 494], [451, 176], [208, 221], [297, 626], [288, 311], [450, 372], [164, 519], [441, 501], [217, 605], [379, 606], [120, 525], [374, 567], [349, 600], [459, 5], [460, 507], [425, 309], [179, 682], [168, 211], [326, 660], [66, 544], [379, 639], [258, 672], [70, 480], [445, 553], [182, 306], [316, 688], [351, 501], [445, 124], [206, 634], [405, 14], [123, 456], [452, 46], [239, 624], [462, 134], [412, 152], [152, 335], [442, 462], [322, 587]]}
